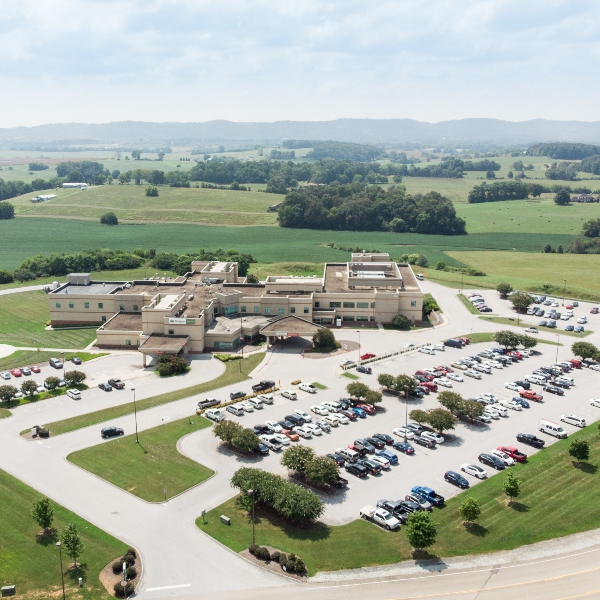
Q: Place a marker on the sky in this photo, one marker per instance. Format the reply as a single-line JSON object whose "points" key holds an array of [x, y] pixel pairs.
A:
{"points": [[98, 61]]}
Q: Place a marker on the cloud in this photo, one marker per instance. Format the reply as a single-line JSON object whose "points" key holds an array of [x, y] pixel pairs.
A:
{"points": [[267, 60]]}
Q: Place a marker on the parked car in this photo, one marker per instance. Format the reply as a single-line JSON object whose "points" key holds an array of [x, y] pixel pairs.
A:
{"points": [[456, 479], [74, 394], [237, 394], [513, 385], [215, 415], [363, 369], [530, 440], [289, 394], [436, 437], [359, 412], [514, 453], [332, 420], [270, 442], [419, 501], [314, 428], [308, 387], [274, 427], [247, 406], [105, 387], [5, 375], [404, 432], [573, 420], [505, 458], [579, 329], [522, 403], [291, 435], [492, 461], [356, 470], [474, 470], [455, 377], [337, 459], [263, 386], [319, 410], [26, 371], [361, 444], [390, 456], [56, 363], [423, 441], [303, 431], [256, 402], [403, 447], [595, 402], [111, 432], [16, 372], [384, 437], [372, 467], [345, 362], [235, 409], [368, 408], [473, 374], [367, 356], [261, 449], [553, 389], [303, 415], [76, 360], [531, 395]]}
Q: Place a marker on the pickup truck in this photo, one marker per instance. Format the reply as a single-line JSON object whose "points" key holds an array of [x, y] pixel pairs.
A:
{"points": [[429, 495], [380, 516], [208, 403], [116, 383], [263, 386], [513, 453]]}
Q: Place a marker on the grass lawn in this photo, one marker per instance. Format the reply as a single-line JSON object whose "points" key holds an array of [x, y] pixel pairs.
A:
{"points": [[33, 565], [468, 305], [556, 499], [350, 375], [22, 358], [231, 375], [5, 413], [478, 338], [518, 323], [23, 318], [319, 386], [153, 470]]}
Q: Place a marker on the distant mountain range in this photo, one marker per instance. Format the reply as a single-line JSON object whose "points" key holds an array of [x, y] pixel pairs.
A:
{"points": [[468, 132]]}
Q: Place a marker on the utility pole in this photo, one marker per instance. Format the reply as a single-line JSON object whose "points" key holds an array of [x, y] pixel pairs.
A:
{"points": [[137, 441]]}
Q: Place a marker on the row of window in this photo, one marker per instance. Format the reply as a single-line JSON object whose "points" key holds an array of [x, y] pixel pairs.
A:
{"points": [[348, 305], [358, 318], [100, 305], [281, 311]]}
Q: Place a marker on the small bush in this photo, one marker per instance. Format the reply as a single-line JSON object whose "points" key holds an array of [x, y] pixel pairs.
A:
{"points": [[117, 567], [284, 562], [299, 566], [44, 433], [263, 553], [275, 556], [131, 573], [129, 560], [109, 218], [253, 549], [132, 551], [121, 592]]}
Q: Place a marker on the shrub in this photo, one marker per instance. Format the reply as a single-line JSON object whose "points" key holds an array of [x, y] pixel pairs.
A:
{"points": [[263, 553], [132, 551], [253, 549], [299, 566], [117, 567], [129, 560], [275, 556], [171, 365], [109, 218], [325, 341], [152, 191], [43, 433], [131, 572], [121, 592], [400, 322]]}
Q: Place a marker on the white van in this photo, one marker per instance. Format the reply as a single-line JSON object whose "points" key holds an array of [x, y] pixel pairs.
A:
{"points": [[74, 394], [503, 412], [573, 420], [439, 347], [552, 428], [536, 379]]}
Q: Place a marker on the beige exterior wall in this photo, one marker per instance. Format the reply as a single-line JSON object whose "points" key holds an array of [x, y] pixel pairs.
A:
{"points": [[118, 339]]}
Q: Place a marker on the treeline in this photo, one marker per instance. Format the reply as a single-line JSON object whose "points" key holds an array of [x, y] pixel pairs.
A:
{"points": [[281, 155], [82, 171], [563, 150], [345, 151], [505, 190], [591, 164], [357, 207], [154, 177], [88, 261], [564, 171], [11, 189]]}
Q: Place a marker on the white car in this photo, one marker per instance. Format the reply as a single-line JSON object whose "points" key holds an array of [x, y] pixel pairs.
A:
{"points": [[256, 402], [274, 426], [289, 394], [409, 345], [307, 387], [474, 470], [501, 410], [315, 429], [284, 440], [247, 406], [582, 320], [384, 462], [332, 420], [531, 330], [482, 368], [511, 385], [300, 413], [484, 418], [345, 362], [319, 410], [436, 437], [491, 412], [511, 404], [40, 388], [403, 432], [264, 399], [525, 353], [303, 431], [473, 374], [565, 317], [595, 367], [5, 375], [455, 377], [505, 458], [555, 304], [595, 402], [444, 381], [490, 397], [495, 364], [270, 442], [426, 350], [343, 419], [332, 407], [573, 420], [459, 365], [74, 394]]}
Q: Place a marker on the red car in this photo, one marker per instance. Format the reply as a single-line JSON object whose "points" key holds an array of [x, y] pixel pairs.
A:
{"points": [[367, 408], [569, 307], [425, 374], [513, 453], [424, 389], [594, 310], [444, 370], [430, 385], [465, 341], [516, 354], [531, 395], [576, 363], [16, 372], [35, 369], [292, 435], [367, 356]]}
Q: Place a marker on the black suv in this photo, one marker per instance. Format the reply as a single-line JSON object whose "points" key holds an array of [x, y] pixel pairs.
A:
{"points": [[416, 393], [111, 432], [116, 383], [357, 470], [262, 386], [492, 461], [377, 442], [295, 419], [259, 429], [361, 369], [261, 450], [530, 440], [235, 395], [339, 460], [384, 437], [372, 467], [524, 384]]}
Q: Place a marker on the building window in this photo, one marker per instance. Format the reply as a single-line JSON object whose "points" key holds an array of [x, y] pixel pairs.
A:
{"points": [[135, 307], [230, 310], [317, 305], [348, 304], [121, 307], [282, 311], [335, 305], [267, 311], [243, 309], [86, 305], [58, 305], [257, 309], [362, 305], [326, 321], [103, 319], [372, 304], [306, 310], [362, 318], [71, 305], [171, 332], [100, 305], [371, 318], [138, 342], [128, 342], [347, 318], [293, 310], [413, 302]]}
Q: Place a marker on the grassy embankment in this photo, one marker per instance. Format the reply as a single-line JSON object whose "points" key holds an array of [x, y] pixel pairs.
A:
{"points": [[552, 485], [235, 371], [31, 563]]}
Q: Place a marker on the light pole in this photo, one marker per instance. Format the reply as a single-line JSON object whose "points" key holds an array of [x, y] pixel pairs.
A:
{"points": [[406, 418], [137, 441], [251, 492], [564, 291], [62, 355], [557, 344], [359, 344], [62, 575]]}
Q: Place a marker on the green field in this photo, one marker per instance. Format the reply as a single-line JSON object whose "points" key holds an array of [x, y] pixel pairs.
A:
{"points": [[32, 564], [23, 318], [235, 371], [556, 499], [153, 470], [24, 358]]}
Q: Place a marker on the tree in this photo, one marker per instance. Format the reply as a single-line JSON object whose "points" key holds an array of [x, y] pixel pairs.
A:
{"points": [[372, 397], [547, 249], [7, 210], [29, 387], [109, 218], [324, 340], [385, 380], [401, 322], [6, 276], [43, 514], [74, 377], [562, 197], [521, 301], [51, 383], [152, 191], [420, 416], [405, 384], [470, 510], [322, 470], [471, 409], [507, 338], [504, 288], [451, 400], [136, 154], [161, 155], [296, 458], [357, 390], [579, 450], [591, 228], [226, 430], [527, 341], [298, 504], [420, 530], [72, 543], [441, 420], [251, 278], [585, 350], [7, 393], [512, 486], [171, 365], [245, 440]]}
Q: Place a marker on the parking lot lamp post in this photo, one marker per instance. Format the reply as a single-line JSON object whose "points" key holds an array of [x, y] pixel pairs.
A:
{"points": [[62, 575], [251, 492], [358, 345], [564, 291], [557, 345], [62, 355], [406, 417], [137, 441]]}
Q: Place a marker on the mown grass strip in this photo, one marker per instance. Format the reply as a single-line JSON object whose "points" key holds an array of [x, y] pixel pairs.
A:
{"points": [[23, 358], [468, 305], [5, 413], [235, 371], [31, 563], [556, 499], [478, 338], [519, 323], [153, 470]]}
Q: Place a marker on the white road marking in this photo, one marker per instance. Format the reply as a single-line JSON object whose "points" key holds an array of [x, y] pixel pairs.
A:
{"points": [[169, 587]]}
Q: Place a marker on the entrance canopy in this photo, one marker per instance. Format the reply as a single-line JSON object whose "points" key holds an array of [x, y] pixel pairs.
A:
{"points": [[164, 344], [289, 326]]}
